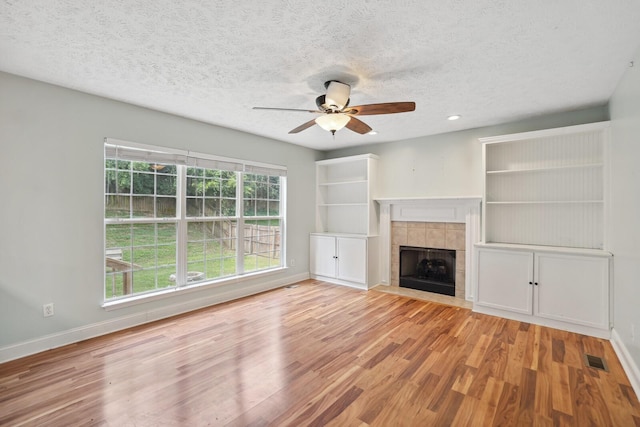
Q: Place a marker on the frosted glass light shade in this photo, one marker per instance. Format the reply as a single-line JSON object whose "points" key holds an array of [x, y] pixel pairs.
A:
{"points": [[337, 95], [333, 122]]}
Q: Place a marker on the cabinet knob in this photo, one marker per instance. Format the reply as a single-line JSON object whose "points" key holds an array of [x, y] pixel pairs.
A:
{"points": [[535, 283], [531, 283]]}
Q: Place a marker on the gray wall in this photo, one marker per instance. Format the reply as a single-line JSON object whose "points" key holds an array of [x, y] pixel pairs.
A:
{"points": [[625, 213], [51, 201], [51, 180]]}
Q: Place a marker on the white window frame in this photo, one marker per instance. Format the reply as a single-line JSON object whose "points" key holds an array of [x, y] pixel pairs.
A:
{"points": [[183, 160]]}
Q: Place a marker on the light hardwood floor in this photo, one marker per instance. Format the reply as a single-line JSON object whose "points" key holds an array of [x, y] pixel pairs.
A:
{"points": [[319, 354]]}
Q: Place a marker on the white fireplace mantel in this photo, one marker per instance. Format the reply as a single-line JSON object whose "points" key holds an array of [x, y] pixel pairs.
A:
{"points": [[430, 209]]}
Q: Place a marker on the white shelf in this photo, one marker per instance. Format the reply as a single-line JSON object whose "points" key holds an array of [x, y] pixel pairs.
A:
{"points": [[358, 181], [545, 202], [546, 169], [342, 204]]}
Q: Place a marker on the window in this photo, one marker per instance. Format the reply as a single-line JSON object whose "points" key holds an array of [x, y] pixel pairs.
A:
{"points": [[175, 219]]}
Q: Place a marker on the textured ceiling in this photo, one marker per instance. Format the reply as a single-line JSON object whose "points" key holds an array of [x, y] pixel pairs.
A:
{"points": [[490, 61]]}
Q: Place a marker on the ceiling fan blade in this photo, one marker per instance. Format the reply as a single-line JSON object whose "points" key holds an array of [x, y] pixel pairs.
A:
{"points": [[384, 108], [303, 126], [287, 109], [358, 126]]}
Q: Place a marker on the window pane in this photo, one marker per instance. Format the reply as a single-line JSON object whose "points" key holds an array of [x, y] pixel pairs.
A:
{"points": [[124, 164], [228, 187], [274, 192], [123, 182], [195, 172], [166, 207], [228, 207], [166, 185], [194, 207], [137, 183], [250, 208], [118, 236], [210, 249], [142, 207], [261, 195], [212, 207], [166, 234], [261, 244], [274, 208], [195, 231], [143, 183], [261, 208], [139, 257], [116, 206], [144, 234], [262, 190], [212, 188], [195, 186]]}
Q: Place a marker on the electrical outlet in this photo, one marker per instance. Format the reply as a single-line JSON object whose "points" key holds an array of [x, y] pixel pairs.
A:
{"points": [[292, 263], [47, 309]]}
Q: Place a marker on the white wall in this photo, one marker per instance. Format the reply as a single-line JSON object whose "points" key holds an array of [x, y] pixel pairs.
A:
{"points": [[450, 164], [51, 207], [625, 218]]}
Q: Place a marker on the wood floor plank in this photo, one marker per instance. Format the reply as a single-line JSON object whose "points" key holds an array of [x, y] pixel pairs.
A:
{"points": [[320, 354]]}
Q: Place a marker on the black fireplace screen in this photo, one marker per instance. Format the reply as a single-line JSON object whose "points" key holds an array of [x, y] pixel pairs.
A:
{"points": [[428, 269]]}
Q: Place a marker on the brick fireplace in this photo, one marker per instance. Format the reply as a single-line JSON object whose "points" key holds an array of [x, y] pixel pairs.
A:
{"points": [[445, 223]]}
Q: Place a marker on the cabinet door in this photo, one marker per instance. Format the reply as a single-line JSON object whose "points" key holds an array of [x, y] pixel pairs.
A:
{"points": [[352, 259], [572, 288], [322, 255], [504, 280]]}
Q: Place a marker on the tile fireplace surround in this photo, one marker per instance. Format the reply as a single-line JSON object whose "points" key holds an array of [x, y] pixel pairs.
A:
{"points": [[446, 223]]}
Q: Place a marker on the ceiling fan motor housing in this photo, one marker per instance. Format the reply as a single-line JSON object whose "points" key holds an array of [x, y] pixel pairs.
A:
{"points": [[337, 97]]}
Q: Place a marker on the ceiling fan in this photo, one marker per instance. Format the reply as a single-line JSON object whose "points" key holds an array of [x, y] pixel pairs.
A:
{"points": [[336, 113]]}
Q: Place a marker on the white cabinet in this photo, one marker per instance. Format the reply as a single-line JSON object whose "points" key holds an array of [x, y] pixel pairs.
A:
{"points": [[344, 259], [558, 288], [503, 280], [323, 252], [572, 288]]}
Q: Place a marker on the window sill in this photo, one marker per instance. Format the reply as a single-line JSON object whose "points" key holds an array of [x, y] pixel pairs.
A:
{"points": [[168, 293]]}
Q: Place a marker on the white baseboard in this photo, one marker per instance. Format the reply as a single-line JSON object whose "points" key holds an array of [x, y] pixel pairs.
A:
{"points": [[628, 364], [47, 342], [335, 281]]}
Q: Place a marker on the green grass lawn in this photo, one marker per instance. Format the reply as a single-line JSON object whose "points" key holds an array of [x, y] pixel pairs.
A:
{"points": [[151, 248]]}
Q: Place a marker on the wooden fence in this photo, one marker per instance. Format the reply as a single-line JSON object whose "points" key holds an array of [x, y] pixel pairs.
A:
{"points": [[262, 240]]}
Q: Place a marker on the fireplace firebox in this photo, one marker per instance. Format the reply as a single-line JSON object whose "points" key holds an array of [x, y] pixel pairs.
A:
{"points": [[428, 269]]}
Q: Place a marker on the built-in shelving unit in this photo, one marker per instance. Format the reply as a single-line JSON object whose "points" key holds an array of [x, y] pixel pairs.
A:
{"points": [[344, 248], [543, 255], [344, 195], [546, 188]]}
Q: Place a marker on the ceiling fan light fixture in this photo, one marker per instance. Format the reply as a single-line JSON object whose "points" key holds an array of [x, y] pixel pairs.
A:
{"points": [[333, 122], [337, 95]]}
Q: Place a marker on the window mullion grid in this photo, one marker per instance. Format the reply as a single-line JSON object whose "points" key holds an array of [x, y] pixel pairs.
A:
{"points": [[240, 224], [181, 249]]}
